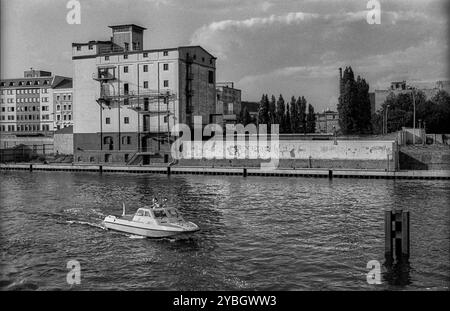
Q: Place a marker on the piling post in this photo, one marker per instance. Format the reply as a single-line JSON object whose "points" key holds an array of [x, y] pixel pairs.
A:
{"points": [[100, 169], [388, 246], [397, 239], [31, 167], [168, 171], [244, 173], [330, 174], [310, 162]]}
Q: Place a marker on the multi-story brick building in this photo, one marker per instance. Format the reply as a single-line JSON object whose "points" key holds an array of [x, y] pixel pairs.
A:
{"points": [[228, 102], [127, 99], [26, 104]]}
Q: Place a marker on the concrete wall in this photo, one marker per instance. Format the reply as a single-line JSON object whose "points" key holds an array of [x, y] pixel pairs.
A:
{"points": [[39, 145], [343, 154], [63, 144]]}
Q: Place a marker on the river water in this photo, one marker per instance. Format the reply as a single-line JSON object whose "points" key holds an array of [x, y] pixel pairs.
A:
{"points": [[257, 233]]}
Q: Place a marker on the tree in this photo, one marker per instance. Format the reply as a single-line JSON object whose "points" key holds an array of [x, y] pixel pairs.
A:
{"points": [[354, 105], [272, 112], [301, 113], [245, 117], [263, 110], [287, 121], [280, 114], [294, 116], [311, 120]]}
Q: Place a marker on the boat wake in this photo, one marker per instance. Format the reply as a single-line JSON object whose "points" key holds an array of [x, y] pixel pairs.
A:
{"points": [[136, 237], [85, 223]]}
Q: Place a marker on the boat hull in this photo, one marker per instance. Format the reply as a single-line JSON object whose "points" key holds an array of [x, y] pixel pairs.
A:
{"points": [[145, 230]]}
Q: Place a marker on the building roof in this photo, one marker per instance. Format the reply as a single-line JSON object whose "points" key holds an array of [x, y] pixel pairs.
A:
{"points": [[62, 83], [128, 25]]}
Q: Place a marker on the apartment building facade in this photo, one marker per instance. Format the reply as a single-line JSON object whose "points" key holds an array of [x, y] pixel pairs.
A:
{"points": [[26, 104], [127, 99]]}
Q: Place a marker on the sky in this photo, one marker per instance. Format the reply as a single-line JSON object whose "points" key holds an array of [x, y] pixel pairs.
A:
{"points": [[289, 47]]}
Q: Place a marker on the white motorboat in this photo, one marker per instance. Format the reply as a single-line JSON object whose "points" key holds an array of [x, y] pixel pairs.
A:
{"points": [[153, 222]]}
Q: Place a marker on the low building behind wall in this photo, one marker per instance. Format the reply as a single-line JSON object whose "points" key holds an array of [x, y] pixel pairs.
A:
{"points": [[41, 145], [63, 141]]}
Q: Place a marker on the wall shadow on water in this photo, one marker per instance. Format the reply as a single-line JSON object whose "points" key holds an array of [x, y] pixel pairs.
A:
{"points": [[397, 272]]}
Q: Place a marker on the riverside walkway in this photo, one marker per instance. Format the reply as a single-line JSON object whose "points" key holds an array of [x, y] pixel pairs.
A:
{"points": [[237, 171]]}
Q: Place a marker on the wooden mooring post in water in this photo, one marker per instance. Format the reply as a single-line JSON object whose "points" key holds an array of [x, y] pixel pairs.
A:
{"points": [[396, 234]]}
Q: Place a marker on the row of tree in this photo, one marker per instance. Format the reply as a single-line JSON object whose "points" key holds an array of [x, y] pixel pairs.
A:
{"points": [[354, 105], [432, 113], [295, 117]]}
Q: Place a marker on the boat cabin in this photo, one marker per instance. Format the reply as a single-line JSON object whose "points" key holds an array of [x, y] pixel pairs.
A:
{"points": [[158, 215]]}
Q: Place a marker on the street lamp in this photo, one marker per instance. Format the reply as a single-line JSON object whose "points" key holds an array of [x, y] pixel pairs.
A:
{"points": [[386, 119]]}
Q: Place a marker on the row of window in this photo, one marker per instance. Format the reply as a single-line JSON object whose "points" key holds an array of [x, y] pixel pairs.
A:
{"points": [[145, 68], [108, 140], [66, 117], [27, 83], [24, 128], [25, 108], [126, 120], [29, 100], [125, 56], [26, 117], [64, 97], [65, 107]]}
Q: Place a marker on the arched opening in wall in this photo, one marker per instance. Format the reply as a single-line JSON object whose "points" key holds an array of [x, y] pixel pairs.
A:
{"points": [[108, 158], [108, 140], [79, 159], [126, 157], [92, 159]]}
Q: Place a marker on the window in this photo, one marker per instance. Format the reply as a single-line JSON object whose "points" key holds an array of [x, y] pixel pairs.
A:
{"points": [[211, 77], [126, 157], [106, 57], [69, 117], [91, 47], [166, 83], [44, 108], [125, 56], [145, 84], [126, 120], [125, 69], [166, 67], [65, 118], [70, 107], [145, 68], [91, 159], [145, 54], [70, 97], [78, 47], [58, 108], [166, 53], [64, 97], [127, 47], [65, 107], [203, 59], [108, 120], [58, 117]]}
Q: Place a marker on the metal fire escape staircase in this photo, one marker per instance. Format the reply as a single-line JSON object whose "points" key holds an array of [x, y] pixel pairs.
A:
{"points": [[145, 102]]}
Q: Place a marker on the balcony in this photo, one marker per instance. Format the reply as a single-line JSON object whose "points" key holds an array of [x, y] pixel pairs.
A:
{"points": [[104, 75]]}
